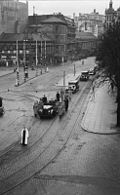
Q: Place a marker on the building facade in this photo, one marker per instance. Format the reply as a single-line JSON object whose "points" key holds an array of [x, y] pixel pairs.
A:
{"points": [[27, 45], [57, 27], [93, 23], [57, 41], [13, 16], [86, 44], [111, 15]]}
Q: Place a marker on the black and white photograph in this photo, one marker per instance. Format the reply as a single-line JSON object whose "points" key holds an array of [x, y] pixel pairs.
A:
{"points": [[59, 97]]}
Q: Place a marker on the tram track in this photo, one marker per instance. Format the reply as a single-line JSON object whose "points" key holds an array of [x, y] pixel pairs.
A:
{"points": [[15, 149], [30, 165], [29, 98]]}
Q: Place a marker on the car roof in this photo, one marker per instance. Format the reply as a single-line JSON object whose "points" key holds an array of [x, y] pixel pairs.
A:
{"points": [[85, 71], [74, 81]]}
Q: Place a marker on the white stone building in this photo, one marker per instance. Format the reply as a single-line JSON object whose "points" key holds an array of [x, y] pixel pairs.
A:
{"points": [[93, 23]]}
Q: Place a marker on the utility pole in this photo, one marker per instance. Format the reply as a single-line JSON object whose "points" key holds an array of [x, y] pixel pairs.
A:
{"points": [[41, 57], [33, 10], [24, 59], [36, 60], [45, 55], [64, 67], [64, 79], [74, 70], [17, 63]]}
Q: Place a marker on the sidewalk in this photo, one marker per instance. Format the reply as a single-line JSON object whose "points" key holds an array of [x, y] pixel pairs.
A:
{"points": [[100, 116], [31, 73], [5, 71]]}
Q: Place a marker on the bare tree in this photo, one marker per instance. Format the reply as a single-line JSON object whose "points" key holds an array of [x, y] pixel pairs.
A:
{"points": [[108, 58]]}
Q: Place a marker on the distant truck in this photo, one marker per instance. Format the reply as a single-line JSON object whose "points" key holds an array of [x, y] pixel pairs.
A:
{"points": [[73, 86]]}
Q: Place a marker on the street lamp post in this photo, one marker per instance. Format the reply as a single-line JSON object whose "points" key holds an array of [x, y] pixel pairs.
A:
{"points": [[64, 67], [24, 59], [64, 79], [41, 57], [36, 59], [45, 55], [74, 70], [17, 63]]}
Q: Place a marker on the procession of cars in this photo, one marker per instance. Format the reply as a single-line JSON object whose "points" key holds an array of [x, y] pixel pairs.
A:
{"points": [[50, 108]]}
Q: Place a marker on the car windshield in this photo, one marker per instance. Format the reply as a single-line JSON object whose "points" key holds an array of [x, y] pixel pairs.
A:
{"points": [[72, 83], [84, 73]]}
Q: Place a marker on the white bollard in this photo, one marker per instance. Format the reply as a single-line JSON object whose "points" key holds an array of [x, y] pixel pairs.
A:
{"points": [[24, 136]]}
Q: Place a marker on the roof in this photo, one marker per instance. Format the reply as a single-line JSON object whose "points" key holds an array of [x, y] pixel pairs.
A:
{"points": [[53, 19], [73, 81], [85, 35], [109, 11], [22, 36], [118, 9]]}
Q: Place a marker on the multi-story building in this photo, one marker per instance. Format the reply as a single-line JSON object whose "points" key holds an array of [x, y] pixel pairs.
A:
{"points": [[111, 15], [28, 44], [86, 44], [56, 40], [93, 23], [59, 28], [13, 16]]}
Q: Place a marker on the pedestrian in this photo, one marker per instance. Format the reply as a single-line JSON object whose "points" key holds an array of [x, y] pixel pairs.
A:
{"points": [[40, 104], [44, 99], [66, 104], [35, 108], [1, 101], [112, 86], [93, 91], [62, 94], [24, 136], [41, 70], [58, 96]]}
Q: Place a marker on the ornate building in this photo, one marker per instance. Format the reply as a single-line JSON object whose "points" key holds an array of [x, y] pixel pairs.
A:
{"points": [[111, 15], [93, 23], [13, 16]]}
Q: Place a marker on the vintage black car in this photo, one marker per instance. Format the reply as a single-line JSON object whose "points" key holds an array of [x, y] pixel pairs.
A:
{"points": [[84, 76], [2, 111], [48, 110]]}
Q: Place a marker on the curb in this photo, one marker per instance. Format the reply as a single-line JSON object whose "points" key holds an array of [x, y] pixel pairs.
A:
{"points": [[7, 74], [29, 80], [113, 132], [93, 132]]}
